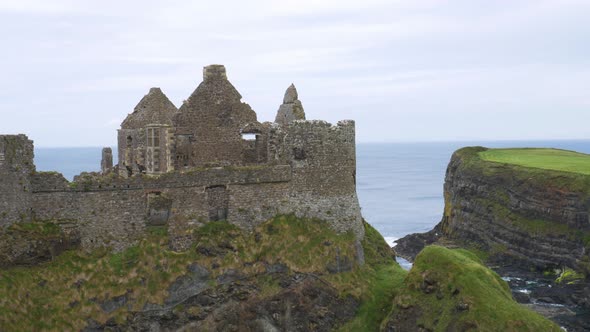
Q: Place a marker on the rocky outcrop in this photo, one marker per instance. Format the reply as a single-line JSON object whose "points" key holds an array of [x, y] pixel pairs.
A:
{"points": [[302, 303], [409, 246], [27, 244]]}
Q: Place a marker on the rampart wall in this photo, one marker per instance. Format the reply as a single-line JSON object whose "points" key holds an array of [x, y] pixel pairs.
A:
{"points": [[312, 175]]}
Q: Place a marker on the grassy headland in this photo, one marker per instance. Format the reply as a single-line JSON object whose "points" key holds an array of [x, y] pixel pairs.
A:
{"points": [[551, 159]]}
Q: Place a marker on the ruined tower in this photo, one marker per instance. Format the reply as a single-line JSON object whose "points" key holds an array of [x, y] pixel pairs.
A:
{"points": [[16, 168]]}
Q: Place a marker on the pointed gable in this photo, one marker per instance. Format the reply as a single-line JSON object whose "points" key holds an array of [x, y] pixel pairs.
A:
{"points": [[216, 101], [153, 108]]}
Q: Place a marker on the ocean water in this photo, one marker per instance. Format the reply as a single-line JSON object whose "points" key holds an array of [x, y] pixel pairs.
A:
{"points": [[400, 185]]}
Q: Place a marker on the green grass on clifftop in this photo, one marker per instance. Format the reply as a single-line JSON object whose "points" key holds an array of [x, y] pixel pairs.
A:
{"points": [[552, 159]]}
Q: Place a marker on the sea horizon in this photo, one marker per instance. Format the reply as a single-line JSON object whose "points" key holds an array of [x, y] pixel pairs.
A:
{"points": [[399, 185]]}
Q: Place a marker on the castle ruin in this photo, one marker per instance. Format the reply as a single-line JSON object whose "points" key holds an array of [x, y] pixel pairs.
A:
{"points": [[210, 159]]}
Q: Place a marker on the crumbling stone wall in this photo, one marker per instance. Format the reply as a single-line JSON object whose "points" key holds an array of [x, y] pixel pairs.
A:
{"points": [[114, 218], [106, 161], [16, 167], [114, 211], [210, 122]]}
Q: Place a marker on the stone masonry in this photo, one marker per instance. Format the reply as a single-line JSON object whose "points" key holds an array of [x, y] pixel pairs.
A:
{"points": [[181, 168]]}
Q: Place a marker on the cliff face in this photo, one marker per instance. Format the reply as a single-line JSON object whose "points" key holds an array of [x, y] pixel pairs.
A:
{"points": [[517, 215]]}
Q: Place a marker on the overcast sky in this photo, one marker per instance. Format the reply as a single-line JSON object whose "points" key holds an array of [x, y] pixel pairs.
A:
{"points": [[70, 71]]}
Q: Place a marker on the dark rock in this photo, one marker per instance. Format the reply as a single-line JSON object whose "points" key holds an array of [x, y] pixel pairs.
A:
{"points": [[410, 245], [93, 326], [188, 285], [114, 303], [461, 306], [521, 297], [277, 268], [235, 306], [230, 276]]}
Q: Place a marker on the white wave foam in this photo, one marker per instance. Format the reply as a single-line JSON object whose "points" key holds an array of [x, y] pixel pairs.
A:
{"points": [[390, 240]]}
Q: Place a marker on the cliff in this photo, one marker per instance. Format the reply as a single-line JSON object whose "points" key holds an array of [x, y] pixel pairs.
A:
{"points": [[525, 213], [532, 217]]}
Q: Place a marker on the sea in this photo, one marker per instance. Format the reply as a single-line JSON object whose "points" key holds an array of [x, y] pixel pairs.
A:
{"points": [[400, 185]]}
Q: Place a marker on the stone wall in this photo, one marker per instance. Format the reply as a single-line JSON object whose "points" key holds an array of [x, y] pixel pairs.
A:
{"points": [[16, 167], [323, 159], [113, 218], [114, 211]]}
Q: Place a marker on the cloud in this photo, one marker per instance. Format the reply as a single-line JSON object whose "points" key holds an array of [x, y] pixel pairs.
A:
{"points": [[428, 69]]}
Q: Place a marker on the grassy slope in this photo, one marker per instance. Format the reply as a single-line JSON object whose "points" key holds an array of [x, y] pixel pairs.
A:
{"points": [[63, 294], [381, 278], [461, 281], [551, 159]]}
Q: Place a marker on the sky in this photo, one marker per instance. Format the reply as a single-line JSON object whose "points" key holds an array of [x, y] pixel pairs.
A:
{"points": [[71, 70]]}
